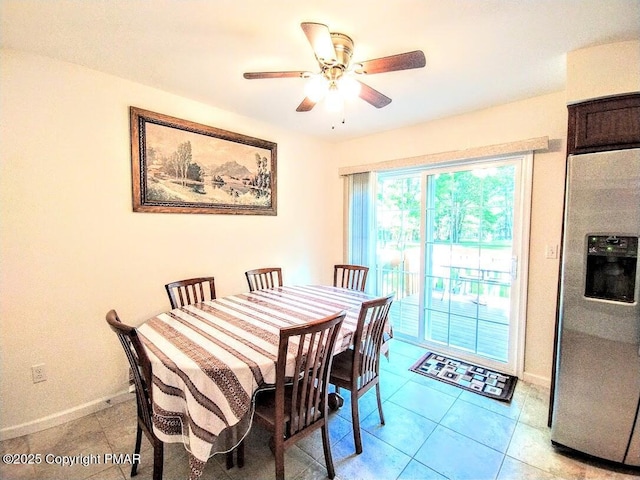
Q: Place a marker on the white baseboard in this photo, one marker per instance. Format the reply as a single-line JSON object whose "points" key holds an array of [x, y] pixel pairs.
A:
{"points": [[64, 416], [537, 380]]}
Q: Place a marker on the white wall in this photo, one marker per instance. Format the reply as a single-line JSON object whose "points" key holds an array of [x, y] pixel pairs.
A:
{"points": [[603, 70], [71, 248]]}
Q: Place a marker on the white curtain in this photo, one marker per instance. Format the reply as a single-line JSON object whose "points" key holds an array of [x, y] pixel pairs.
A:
{"points": [[361, 209]]}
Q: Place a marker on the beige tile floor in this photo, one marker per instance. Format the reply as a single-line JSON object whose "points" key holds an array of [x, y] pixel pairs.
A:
{"points": [[432, 431]]}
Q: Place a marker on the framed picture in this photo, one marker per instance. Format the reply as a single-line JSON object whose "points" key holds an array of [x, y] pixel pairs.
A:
{"points": [[184, 167]]}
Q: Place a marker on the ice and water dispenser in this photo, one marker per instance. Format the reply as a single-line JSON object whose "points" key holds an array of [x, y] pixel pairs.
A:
{"points": [[611, 267]]}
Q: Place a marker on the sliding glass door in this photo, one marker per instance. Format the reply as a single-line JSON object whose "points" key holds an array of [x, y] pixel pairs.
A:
{"points": [[398, 230], [448, 243]]}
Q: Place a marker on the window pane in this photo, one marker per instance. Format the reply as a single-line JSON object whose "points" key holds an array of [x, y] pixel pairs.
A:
{"points": [[398, 247]]}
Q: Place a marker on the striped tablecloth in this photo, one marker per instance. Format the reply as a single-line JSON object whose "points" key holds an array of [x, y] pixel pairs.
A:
{"points": [[208, 360]]}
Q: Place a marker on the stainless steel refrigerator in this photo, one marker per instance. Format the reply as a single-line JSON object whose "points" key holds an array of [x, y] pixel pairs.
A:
{"points": [[597, 383]]}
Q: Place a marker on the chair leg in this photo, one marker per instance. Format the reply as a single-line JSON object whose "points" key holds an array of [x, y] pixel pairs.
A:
{"points": [[379, 403], [240, 453], [136, 451], [240, 449], [328, 458], [355, 419], [279, 454], [158, 460]]}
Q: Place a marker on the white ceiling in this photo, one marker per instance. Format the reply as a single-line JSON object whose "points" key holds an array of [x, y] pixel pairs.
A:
{"points": [[479, 52]]}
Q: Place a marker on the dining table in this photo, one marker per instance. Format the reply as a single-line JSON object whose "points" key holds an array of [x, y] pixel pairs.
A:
{"points": [[209, 359]]}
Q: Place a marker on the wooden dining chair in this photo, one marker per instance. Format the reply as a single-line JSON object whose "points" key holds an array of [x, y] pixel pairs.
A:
{"points": [[358, 368], [189, 291], [141, 369], [353, 277], [298, 405], [261, 278]]}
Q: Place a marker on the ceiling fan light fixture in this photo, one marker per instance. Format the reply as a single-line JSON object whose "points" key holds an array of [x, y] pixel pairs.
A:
{"points": [[333, 101], [349, 87], [316, 87]]}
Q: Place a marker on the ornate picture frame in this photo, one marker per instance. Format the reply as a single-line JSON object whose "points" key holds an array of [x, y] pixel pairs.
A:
{"points": [[179, 166]]}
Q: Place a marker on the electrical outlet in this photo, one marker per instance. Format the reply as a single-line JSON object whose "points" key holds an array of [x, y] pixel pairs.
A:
{"points": [[38, 373], [551, 251]]}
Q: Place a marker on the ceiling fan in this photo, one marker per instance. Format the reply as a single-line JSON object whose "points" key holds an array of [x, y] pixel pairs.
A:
{"points": [[336, 78]]}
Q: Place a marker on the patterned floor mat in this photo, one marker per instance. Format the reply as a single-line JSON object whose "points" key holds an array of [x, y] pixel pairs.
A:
{"points": [[480, 380]]}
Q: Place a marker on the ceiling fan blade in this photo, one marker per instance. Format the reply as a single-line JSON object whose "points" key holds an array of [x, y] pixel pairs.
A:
{"points": [[373, 96], [255, 75], [320, 39], [306, 105], [402, 61]]}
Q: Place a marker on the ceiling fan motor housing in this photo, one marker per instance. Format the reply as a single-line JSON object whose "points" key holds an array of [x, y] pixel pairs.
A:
{"points": [[344, 48]]}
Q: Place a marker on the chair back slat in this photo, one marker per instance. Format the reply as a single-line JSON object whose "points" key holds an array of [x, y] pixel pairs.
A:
{"points": [[190, 291], [263, 278], [306, 388], [353, 277], [368, 338], [139, 364]]}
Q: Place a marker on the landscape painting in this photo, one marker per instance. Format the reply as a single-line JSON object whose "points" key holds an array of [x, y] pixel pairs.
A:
{"points": [[184, 167]]}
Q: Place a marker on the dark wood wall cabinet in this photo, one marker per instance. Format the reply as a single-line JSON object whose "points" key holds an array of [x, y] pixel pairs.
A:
{"points": [[611, 123]]}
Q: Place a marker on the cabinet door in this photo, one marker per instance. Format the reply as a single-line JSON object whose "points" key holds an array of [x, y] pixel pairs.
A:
{"points": [[605, 124]]}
